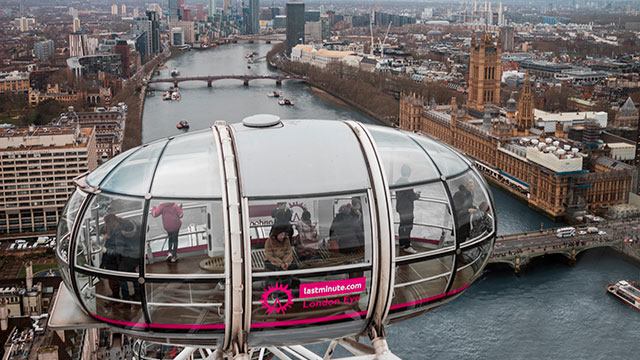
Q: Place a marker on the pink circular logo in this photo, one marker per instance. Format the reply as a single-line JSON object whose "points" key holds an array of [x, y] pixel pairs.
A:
{"points": [[274, 303]]}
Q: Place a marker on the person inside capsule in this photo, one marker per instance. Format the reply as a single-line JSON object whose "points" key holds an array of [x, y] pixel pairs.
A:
{"points": [[278, 254]]}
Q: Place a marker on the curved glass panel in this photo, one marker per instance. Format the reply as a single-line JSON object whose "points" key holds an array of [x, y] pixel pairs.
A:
{"points": [[471, 262], [133, 176], [420, 284], [188, 168], [110, 235], [184, 237], [66, 223], [404, 161], [423, 219], [311, 300], [447, 160], [290, 234], [310, 234], [474, 214], [189, 306], [99, 295], [329, 160], [95, 178]]}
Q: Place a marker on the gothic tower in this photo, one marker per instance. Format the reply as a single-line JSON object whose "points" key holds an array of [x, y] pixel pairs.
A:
{"points": [[525, 118], [410, 117], [485, 71]]}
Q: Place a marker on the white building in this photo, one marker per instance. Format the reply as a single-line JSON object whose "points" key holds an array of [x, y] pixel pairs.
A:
{"points": [[177, 36], [320, 58], [549, 120], [39, 165]]}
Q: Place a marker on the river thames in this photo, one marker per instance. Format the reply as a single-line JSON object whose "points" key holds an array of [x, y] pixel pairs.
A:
{"points": [[552, 311]]}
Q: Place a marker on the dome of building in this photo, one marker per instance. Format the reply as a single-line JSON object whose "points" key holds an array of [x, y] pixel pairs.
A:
{"points": [[512, 104], [274, 232]]}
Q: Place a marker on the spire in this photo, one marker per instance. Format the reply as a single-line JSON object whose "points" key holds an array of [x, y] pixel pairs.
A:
{"points": [[629, 107]]}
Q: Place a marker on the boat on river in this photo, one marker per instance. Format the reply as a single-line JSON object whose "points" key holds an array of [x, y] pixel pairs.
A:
{"points": [[275, 94], [627, 292], [175, 72], [182, 125], [286, 102]]}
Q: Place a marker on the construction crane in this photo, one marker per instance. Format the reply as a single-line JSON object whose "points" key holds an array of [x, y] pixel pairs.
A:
{"points": [[385, 40]]}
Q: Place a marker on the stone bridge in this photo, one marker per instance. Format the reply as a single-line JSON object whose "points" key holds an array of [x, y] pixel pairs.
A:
{"points": [[517, 250], [209, 79]]}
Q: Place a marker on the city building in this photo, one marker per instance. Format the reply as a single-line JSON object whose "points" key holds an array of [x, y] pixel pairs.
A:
{"points": [[25, 24], [123, 9], [76, 24], [627, 116], [227, 7], [109, 124], [122, 49], [558, 162], [254, 17], [177, 36], [544, 69], [43, 50], [295, 25], [322, 57], [280, 22], [313, 31], [188, 32], [82, 45], [52, 92], [550, 173], [114, 9], [212, 7], [143, 28], [154, 17], [38, 167], [173, 11], [14, 81], [93, 64], [485, 72], [507, 35]]}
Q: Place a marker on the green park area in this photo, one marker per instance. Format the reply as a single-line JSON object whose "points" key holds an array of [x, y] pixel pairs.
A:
{"points": [[37, 268]]}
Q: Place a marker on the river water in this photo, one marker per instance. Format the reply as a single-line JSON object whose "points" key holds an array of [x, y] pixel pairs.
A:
{"points": [[552, 311]]}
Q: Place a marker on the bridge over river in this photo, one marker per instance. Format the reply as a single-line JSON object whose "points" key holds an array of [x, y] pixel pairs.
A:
{"points": [[519, 249], [211, 78]]}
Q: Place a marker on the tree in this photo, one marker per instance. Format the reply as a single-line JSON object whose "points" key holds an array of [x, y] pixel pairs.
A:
{"points": [[44, 112]]}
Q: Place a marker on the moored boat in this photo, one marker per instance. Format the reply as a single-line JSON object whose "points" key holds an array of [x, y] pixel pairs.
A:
{"points": [[175, 72], [627, 292]]}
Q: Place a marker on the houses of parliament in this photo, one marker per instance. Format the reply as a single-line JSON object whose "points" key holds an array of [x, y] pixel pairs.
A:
{"points": [[563, 168]]}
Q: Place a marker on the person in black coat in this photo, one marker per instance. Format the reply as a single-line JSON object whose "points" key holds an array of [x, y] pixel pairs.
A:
{"points": [[404, 206], [463, 206], [347, 227]]}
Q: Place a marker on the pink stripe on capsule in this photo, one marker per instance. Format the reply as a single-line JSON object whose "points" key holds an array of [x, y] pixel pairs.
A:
{"points": [[436, 297], [308, 321]]}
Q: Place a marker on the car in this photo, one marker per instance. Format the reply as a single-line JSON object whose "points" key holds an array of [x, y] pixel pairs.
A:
{"points": [[582, 232], [12, 247], [602, 232], [592, 229]]}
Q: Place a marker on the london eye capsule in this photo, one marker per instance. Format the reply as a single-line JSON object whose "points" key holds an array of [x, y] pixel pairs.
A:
{"points": [[273, 233]]}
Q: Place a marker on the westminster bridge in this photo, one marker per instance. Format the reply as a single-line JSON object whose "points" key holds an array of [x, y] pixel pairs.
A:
{"points": [[517, 250]]}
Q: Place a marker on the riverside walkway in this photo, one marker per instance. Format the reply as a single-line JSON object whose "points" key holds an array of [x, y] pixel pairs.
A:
{"points": [[517, 250]]}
